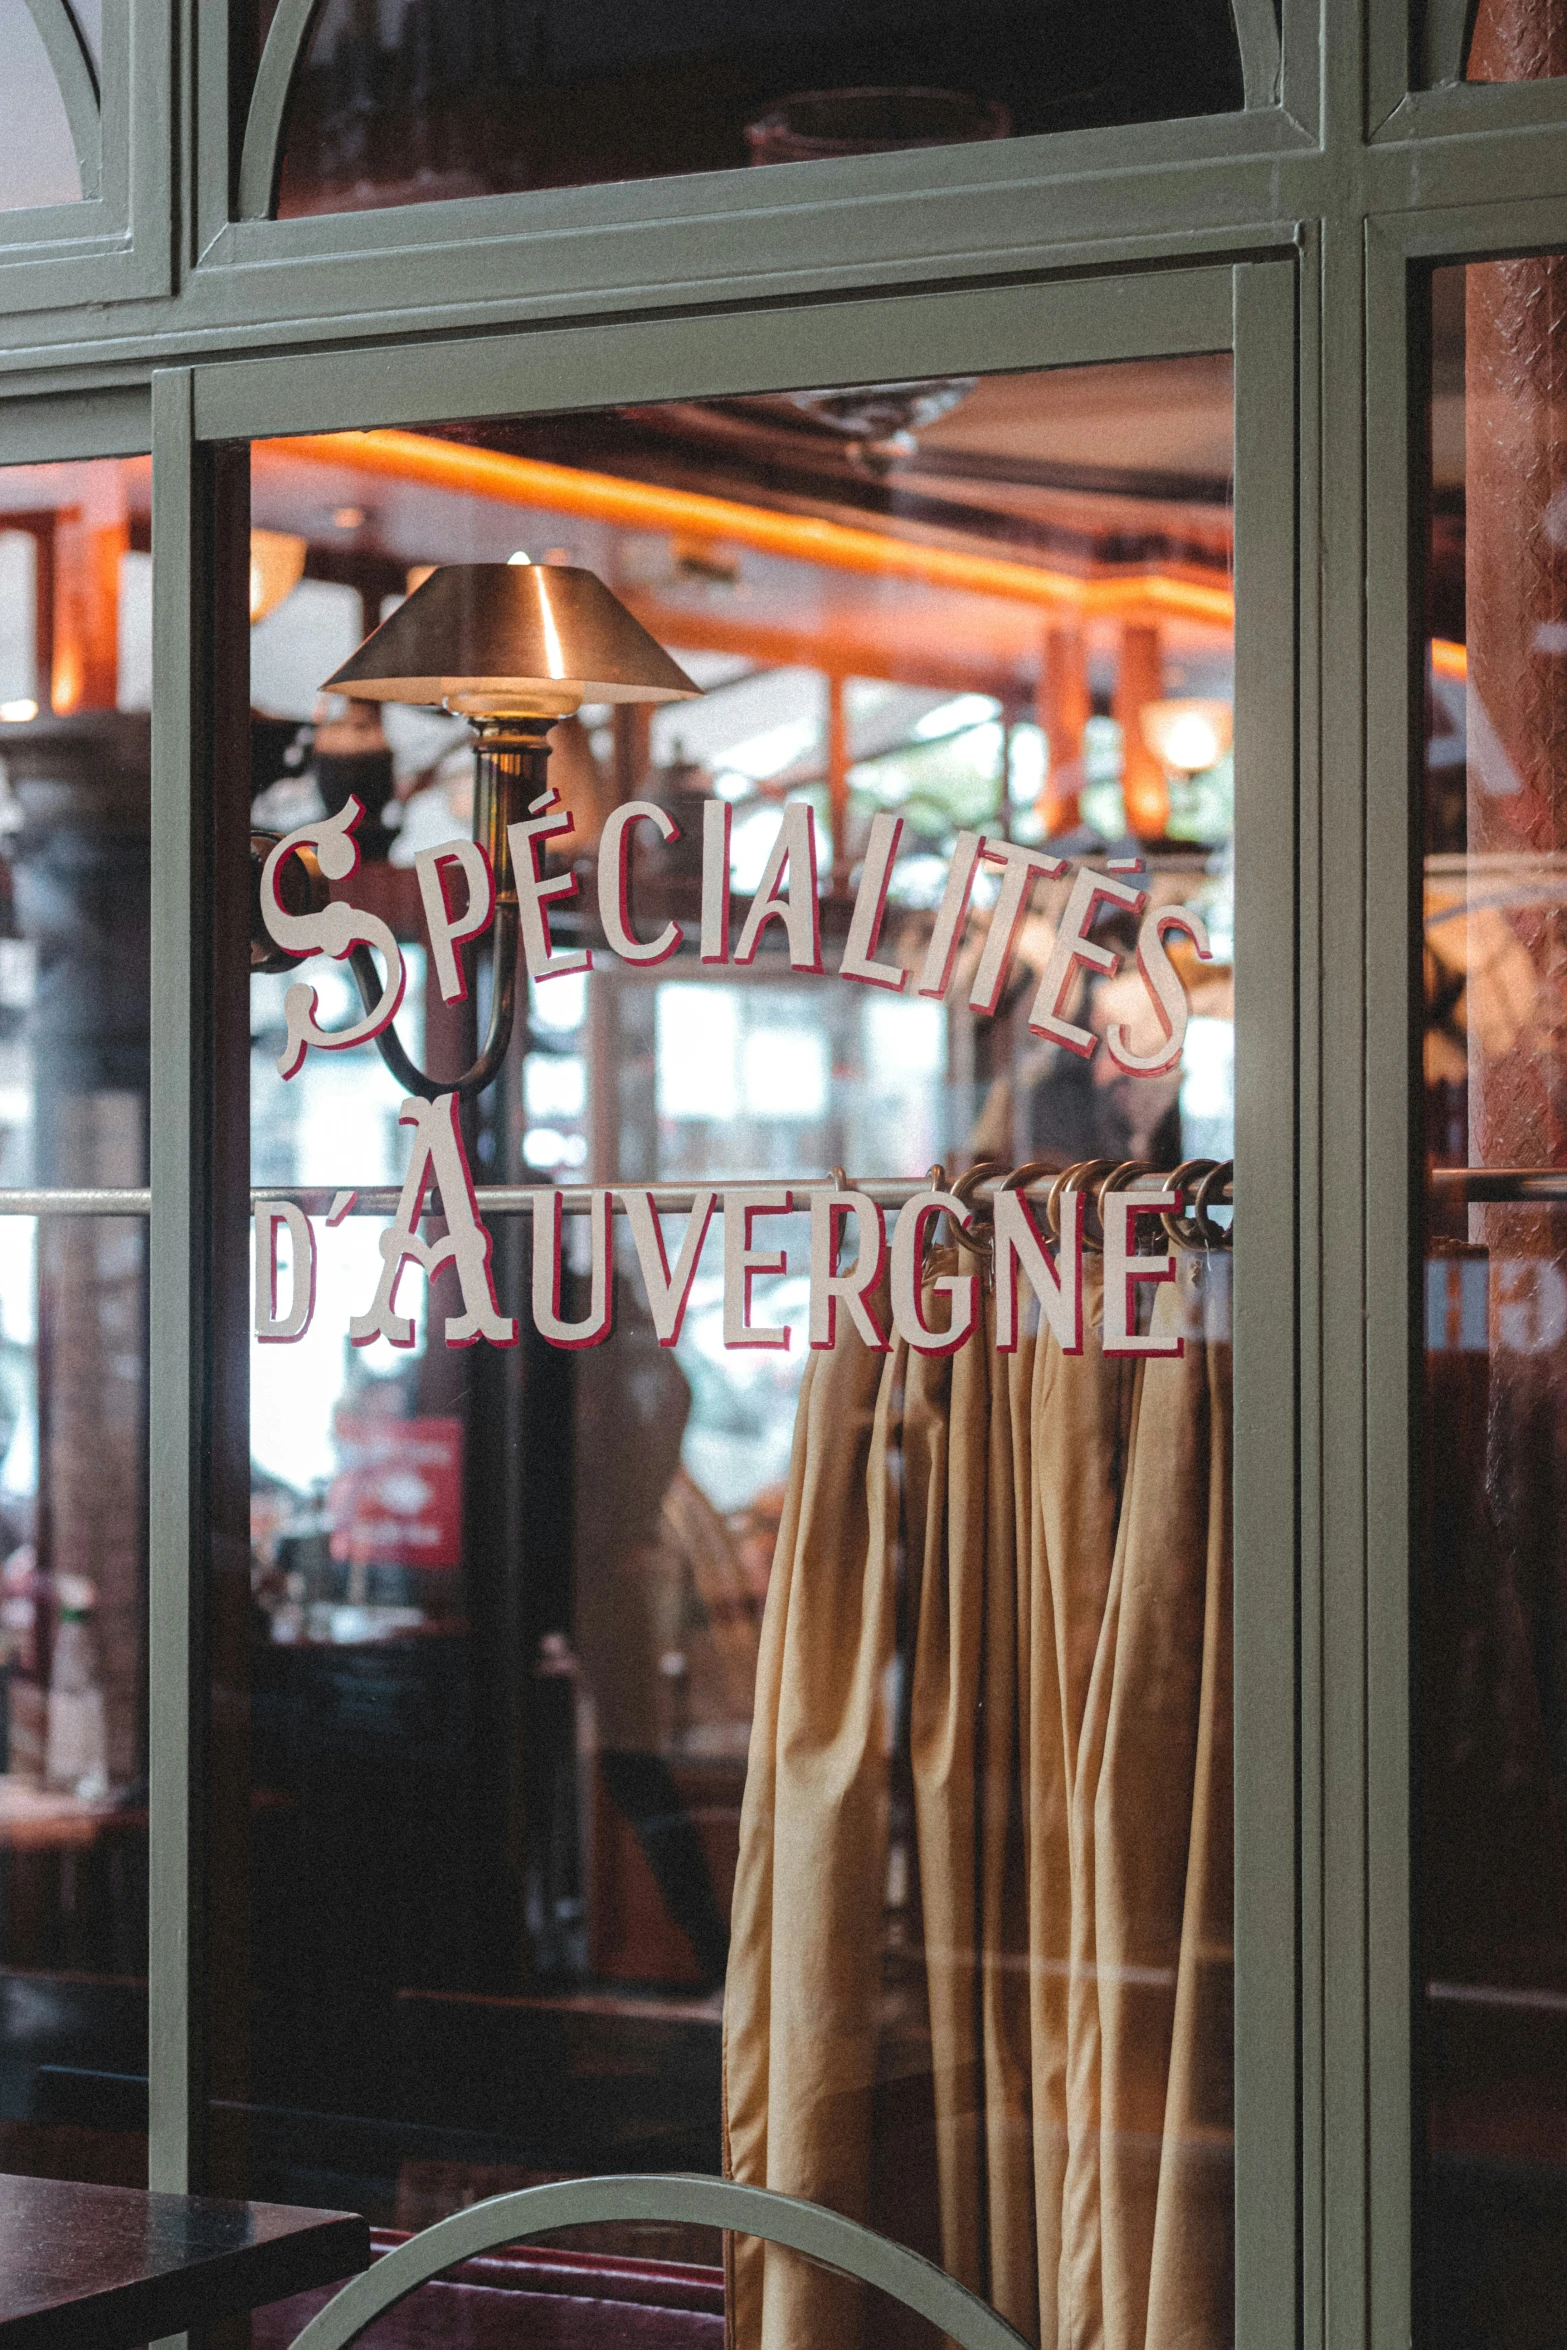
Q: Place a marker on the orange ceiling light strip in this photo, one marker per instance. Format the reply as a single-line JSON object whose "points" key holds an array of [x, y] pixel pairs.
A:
{"points": [[837, 546]]}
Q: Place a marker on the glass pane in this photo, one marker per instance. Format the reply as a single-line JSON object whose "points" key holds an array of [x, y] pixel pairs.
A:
{"points": [[37, 155], [1492, 1976], [74, 883], [650, 1743], [405, 103], [75, 735]]}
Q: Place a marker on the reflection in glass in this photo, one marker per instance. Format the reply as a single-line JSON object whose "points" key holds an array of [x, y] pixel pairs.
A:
{"points": [[1492, 1918], [410, 103]]}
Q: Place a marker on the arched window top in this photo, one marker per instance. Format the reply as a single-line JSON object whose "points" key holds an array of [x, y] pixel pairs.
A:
{"points": [[359, 104]]}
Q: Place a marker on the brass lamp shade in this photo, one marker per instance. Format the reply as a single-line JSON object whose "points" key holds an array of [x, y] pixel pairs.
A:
{"points": [[511, 640]]}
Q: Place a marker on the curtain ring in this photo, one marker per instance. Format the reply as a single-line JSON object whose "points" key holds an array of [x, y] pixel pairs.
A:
{"points": [[1119, 1179], [981, 1172], [1030, 1172], [980, 1244], [1182, 1229], [1213, 1184], [840, 1180], [1072, 1178]]}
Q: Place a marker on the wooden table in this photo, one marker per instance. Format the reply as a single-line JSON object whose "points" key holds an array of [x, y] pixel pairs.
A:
{"points": [[108, 2268]]}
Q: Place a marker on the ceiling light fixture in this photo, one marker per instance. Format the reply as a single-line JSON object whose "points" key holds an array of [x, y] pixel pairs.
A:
{"points": [[535, 483]]}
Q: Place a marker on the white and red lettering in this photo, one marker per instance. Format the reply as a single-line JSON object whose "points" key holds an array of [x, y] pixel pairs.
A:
{"points": [[1162, 981], [336, 930], [1022, 868], [438, 1158], [1118, 1212], [667, 1293], [870, 905], [799, 908], [946, 934], [615, 880], [448, 931], [717, 823], [1073, 946], [273, 1217], [908, 1256], [595, 1325], [830, 1211], [546, 821], [742, 1263], [1058, 1287]]}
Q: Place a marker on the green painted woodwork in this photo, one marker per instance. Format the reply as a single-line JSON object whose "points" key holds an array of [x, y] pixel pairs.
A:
{"points": [[168, 305]]}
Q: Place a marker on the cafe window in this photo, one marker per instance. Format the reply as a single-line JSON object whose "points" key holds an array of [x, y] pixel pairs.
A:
{"points": [[787, 1637], [413, 103]]}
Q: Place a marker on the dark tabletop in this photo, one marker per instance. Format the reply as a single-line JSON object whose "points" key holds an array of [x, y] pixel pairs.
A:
{"points": [[107, 2268]]}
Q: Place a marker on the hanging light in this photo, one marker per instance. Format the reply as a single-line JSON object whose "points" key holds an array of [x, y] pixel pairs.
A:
{"points": [[1187, 735]]}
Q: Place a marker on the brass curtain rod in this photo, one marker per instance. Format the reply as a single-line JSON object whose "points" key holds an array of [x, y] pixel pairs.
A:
{"points": [[1494, 1186], [673, 1199]]}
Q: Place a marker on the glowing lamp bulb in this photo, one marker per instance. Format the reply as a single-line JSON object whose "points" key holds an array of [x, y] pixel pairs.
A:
{"points": [[1187, 735]]}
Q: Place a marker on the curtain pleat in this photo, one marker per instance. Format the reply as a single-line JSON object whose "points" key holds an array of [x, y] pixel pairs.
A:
{"points": [[1142, 1806], [1085, 1420], [1058, 1528], [946, 1509], [800, 2007], [1005, 2002], [1192, 2289]]}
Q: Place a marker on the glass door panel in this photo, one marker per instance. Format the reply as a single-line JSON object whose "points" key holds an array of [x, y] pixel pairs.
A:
{"points": [[765, 1705]]}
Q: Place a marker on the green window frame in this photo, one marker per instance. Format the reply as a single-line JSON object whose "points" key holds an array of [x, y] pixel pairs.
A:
{"points": [[1297, 233]]}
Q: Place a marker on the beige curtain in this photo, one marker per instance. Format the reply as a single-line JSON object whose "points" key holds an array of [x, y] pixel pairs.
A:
{"points": [[1034, 1549]]}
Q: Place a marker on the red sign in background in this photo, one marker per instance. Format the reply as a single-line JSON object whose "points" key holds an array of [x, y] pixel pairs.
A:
{"points": [[397, 1500]]}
